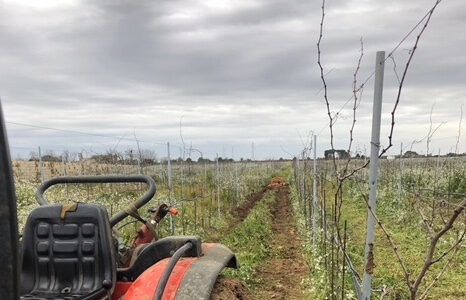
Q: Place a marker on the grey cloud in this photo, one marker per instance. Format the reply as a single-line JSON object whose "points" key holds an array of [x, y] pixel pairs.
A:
{"points": [[111, 66]]}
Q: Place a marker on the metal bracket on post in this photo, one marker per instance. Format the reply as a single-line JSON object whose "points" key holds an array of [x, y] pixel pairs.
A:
{"points": [[374, 175]]}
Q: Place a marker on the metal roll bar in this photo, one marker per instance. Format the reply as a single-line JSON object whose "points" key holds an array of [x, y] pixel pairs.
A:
{"points": [[102, 179]]}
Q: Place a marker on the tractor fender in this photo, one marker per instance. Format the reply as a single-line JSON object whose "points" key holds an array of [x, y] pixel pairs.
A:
{"points": [[200, 279], [191, 278]]}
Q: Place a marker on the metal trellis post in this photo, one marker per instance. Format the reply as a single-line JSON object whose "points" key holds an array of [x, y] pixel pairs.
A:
{"points": [[373, 176], [314, 195], [41, 167], [218, 186], [169, 167]]}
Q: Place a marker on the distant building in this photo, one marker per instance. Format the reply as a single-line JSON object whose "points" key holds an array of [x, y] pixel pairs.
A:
{"points": [[340, 154]]}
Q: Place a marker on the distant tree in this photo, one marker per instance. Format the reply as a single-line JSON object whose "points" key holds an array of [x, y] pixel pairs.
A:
{"points": [[148, 157], [201, 160], [410, 154], [33, 156], [66, 156], [341, 154], [50, 158]]}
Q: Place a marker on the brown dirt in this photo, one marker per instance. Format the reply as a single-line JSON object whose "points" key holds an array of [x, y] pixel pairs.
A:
{"points": [[277, 182], [281, 274], [241, 212], [229, 288], [238, 214]]}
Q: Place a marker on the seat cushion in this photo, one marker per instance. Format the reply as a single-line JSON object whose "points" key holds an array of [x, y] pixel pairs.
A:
{"points": [[69, 257]]}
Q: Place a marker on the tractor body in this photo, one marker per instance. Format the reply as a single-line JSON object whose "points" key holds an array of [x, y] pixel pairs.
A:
{"points": [[68, 251]]}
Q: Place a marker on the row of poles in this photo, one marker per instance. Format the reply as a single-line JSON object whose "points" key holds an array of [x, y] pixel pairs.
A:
{"points": [[170, 185], [215, 193]]}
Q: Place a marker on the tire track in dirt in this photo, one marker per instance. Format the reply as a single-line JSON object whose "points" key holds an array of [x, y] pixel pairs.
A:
{"points": [[241, 212], [281, 274], [238, 214]]}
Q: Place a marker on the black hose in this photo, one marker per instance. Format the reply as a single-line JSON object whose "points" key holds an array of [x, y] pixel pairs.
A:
{"points": [[168, 270]]}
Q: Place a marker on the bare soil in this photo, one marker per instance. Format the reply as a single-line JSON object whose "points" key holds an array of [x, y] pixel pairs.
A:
{"points": [[281, 274], [229, 288]]}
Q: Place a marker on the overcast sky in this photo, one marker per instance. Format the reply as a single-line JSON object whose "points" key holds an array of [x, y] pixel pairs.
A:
{"points": [[233, 73]]}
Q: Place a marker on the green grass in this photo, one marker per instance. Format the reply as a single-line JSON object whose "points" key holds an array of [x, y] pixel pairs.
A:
{"points": [[250, 239]]}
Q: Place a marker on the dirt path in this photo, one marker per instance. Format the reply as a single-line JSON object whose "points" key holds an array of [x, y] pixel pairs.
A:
{"points": [[230, 288], [241, 212], [238, 214], [281, 274]]}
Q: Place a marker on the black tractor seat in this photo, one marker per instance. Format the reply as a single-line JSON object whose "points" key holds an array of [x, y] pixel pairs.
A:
{"points": [[67, 253]]}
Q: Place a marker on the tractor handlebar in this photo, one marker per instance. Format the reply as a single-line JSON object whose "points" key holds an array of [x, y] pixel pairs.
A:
{"points": [[102, 179]]}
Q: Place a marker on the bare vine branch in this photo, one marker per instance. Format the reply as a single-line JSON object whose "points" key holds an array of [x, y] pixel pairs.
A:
{"points": [[426, 223], [459, 130], [392, 57], [456, 244], [432, 131], [355, 106], [389, 238], [440, 274], [429, 261], [324, 83], [403, 77]]}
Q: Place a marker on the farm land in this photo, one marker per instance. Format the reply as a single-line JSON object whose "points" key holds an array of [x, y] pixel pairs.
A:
{"points": [[269, 226]]}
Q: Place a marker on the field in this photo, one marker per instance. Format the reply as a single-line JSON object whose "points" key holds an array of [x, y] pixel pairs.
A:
{"points": [[416, 198], [202, 193], [270, 229]]}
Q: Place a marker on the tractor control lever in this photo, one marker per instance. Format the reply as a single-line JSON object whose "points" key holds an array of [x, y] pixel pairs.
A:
{"points": [[161, 212]]}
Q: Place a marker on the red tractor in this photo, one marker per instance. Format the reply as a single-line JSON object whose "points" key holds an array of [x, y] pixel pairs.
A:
{"points": [[68, 250]]}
